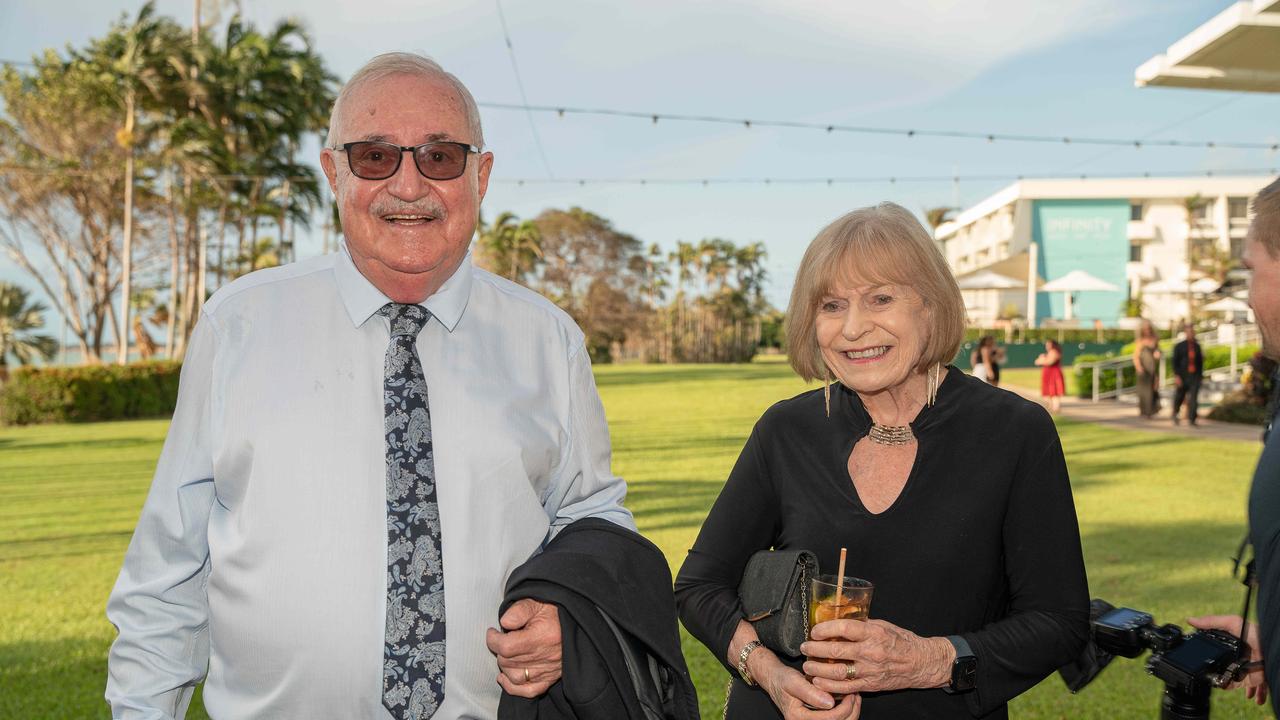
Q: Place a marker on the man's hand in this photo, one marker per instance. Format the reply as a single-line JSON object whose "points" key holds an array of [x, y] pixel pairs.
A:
{"points": [[529, 650], [1254, 682]]}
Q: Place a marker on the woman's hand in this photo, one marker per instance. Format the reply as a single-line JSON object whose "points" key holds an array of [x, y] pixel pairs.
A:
{"points": [[797, 698], [883, 657], [788, 688]]}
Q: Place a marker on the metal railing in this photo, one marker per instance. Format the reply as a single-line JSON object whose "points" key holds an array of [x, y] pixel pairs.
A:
{"points": [[1238, 336]]}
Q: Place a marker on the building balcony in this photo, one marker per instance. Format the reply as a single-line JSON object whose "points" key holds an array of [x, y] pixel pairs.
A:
{"points": [[1139, 271], [1141, 230]]}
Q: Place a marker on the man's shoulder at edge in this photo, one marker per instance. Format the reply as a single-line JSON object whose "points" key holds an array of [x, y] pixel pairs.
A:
{"points": [[521, 296], [245, 285]]}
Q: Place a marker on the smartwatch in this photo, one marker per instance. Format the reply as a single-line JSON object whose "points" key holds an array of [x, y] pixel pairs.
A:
{"points": [[964, 671]]}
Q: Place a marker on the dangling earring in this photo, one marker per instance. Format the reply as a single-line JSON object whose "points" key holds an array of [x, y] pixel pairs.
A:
{"points": [[931, 385], [826, 391]]}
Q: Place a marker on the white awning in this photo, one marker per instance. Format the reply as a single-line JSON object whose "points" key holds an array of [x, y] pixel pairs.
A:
{"points": [[1237, 50]]}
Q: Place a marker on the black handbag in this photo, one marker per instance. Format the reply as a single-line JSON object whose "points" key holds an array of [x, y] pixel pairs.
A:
{"points": [[774, 595]]}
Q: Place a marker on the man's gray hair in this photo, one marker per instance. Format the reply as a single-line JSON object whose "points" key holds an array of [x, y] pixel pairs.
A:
{"points": [[402, 63]]}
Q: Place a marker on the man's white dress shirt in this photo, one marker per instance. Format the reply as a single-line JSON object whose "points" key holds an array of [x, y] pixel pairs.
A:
{"points": [[261, 551]]}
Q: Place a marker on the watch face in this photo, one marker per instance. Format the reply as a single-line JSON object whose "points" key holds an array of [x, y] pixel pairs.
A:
{"points": [[964, 674]]}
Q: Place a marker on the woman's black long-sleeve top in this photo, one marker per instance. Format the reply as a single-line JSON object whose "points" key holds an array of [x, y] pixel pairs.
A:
{"points": [[982, 542]]}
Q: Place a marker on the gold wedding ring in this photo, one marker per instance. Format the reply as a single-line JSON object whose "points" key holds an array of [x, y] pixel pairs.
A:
{"points": [[850, 672], [526, 674]]}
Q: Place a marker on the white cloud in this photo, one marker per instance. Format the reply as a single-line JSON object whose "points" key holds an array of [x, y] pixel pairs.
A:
{"points": [[744, 56]]}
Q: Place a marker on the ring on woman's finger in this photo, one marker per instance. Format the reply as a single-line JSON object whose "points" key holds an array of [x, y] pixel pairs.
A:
{"points": [[850, 672], [526, 674]]}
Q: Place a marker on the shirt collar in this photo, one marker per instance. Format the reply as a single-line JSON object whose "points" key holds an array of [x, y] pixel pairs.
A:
{"points": [[362, 299]]}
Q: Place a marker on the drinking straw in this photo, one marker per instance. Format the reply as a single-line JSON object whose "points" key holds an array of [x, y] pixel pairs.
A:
{"points": [[840, 578]]}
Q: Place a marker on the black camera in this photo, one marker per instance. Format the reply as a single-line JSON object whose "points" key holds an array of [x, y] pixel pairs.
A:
{"points": [[1190, 665]]}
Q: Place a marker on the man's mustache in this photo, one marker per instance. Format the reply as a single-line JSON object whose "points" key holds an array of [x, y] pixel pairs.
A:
{"points": [[425, 206]]}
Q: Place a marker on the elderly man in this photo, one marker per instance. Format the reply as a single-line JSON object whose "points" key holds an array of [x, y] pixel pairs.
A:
{"points": [[1262, 256], [365, 446]]}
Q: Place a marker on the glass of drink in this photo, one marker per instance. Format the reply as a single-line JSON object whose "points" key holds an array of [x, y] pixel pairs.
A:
{"points": [[852, 602]]}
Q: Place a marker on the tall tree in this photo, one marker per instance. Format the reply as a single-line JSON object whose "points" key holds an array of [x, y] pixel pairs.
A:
{"points": [[208, 130], [253, 96], [511, 247], [716, 313], [935, 216], [132, 57], [594, 272], [1195, 246], [61, 197], [20, 317]]}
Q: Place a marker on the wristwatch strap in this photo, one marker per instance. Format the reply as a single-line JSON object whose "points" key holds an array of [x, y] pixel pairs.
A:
{"points": [[964, 668], [961, 645]]}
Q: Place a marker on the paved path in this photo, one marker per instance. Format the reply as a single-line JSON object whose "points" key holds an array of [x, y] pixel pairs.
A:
{"points": [[1125, 415]]}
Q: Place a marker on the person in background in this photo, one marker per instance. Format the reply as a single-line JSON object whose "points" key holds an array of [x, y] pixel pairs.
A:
{"points": [[1188, 371], [1146, 361], [985, 360], [1052, 384]]}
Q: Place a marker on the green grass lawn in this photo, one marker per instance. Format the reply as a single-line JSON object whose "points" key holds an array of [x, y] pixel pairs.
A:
{"points": [[1029, 378], [1160, 517]]}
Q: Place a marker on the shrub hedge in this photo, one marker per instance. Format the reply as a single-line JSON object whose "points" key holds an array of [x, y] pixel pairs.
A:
{"points": [[89, 393], [1068, 336], [1238, 409]]}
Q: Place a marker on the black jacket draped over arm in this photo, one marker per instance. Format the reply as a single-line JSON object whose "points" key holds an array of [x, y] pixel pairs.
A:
{"points": [[621, 643]]}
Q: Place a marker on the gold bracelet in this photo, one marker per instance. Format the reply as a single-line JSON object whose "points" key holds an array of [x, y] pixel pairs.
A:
{"points": [[743, 672]]}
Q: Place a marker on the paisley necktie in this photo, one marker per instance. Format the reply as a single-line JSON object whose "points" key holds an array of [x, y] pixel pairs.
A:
{"points": [[413, 653]]}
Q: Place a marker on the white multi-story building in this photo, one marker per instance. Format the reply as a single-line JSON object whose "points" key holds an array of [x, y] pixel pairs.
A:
{"points": [[1135, 234]]}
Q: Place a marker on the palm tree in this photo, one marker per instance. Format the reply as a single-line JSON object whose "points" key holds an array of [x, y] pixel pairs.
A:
{"points": [[750, 271], [655, 274], [514, 246], [715, 259], [937, 215], [252, 96], [265, 91], [19, 316], [134, 56], [1192, 205], [685, 258]]}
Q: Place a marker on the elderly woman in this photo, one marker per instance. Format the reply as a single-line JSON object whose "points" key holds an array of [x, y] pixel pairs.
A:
{"points": [[951, 496]]}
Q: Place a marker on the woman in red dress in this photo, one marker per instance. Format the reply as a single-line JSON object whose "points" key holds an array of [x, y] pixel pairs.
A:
{"points": [[1052, 385]]}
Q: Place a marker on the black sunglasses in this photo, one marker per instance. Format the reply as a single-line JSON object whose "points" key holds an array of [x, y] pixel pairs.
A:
{"points": [[373, 160]]}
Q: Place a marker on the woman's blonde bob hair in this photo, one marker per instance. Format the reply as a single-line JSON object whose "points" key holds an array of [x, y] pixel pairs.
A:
{"points": [[881, 245]]}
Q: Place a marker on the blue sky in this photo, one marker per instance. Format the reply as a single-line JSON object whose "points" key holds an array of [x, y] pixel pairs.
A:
{"points": [[1061, 68]]}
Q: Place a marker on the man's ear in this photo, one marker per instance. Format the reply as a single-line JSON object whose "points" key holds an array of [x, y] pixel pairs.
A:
{"points": [[330, 167], [482, 173]]}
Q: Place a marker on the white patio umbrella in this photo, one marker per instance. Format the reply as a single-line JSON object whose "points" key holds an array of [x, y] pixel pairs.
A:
{"points": [[1179, 286], [988, 280], [1076, 281], [1228, 305]]}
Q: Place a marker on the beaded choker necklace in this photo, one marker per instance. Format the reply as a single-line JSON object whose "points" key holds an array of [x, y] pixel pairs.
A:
{"points": [[891, 434]]}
